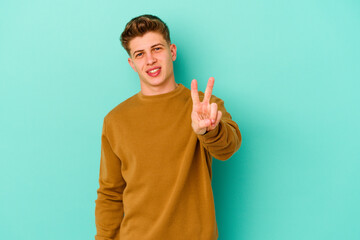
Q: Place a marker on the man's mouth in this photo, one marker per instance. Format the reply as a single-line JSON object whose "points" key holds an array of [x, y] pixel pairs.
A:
{"points": [[154, 71]]}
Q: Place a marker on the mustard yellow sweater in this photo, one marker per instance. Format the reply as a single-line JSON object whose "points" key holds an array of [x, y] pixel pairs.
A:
{"points": [[155, 172]]}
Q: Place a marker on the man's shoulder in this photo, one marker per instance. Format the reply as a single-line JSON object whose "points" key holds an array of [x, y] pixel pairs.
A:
{"points": [[122, 108]]}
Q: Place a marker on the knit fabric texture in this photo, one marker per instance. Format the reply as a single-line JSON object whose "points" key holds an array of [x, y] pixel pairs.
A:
{"points": [[155, 171]]}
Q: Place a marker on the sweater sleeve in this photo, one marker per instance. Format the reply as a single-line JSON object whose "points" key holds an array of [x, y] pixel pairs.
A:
{"points": [[224, 140], [109, 210]]}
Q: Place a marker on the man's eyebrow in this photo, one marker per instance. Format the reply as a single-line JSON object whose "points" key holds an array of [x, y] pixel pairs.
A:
{"points": [[150, 47]]}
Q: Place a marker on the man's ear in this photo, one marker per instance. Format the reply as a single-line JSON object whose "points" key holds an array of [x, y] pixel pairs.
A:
{"points": [[131, 64], [173, 51]]}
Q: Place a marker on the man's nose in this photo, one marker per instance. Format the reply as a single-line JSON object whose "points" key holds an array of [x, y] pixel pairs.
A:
{"points": [[150, 59]]}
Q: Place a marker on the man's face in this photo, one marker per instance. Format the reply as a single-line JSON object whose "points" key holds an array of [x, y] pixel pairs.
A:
{"points": [[152, 58]]}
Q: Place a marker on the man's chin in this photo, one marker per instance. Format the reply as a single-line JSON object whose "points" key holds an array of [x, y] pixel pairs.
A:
{"points": [[156, 81]]}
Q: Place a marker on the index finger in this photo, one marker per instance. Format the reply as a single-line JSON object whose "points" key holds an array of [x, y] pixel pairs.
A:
{"points": [[194, 92], [209, 89]]}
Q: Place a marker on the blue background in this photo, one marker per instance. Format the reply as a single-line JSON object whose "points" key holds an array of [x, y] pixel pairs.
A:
{"points": [[288, 72]]}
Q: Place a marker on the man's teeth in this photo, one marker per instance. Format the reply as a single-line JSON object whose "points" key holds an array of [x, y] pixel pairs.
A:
{"points": [[154, 70]]}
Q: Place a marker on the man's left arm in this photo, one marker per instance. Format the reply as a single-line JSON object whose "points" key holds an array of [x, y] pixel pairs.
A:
{"points": [[225, 139], [213, 125]]}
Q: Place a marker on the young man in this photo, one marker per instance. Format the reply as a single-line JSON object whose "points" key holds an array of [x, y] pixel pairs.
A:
{"points": [[157, 148]]}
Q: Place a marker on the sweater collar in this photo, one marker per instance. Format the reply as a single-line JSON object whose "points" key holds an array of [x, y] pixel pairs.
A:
{"points": [[162, 96]]}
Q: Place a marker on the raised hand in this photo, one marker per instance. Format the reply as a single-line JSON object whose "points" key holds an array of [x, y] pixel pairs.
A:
{"points": [[204, 116]]}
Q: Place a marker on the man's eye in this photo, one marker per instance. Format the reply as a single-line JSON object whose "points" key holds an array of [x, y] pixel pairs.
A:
{"points": [[138, 55], [157, 49]]}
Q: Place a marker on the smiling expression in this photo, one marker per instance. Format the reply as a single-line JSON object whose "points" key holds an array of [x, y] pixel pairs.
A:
{"points": [[152, 58]]}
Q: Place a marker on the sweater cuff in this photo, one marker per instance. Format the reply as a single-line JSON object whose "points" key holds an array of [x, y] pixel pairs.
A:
{"points": [[210, 134]]}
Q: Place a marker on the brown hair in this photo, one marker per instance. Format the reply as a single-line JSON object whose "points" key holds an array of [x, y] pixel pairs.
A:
{"points": [[140, 25]]}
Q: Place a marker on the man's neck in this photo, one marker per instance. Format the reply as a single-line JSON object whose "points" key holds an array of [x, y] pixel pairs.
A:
{"points": [[156, 90]]}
